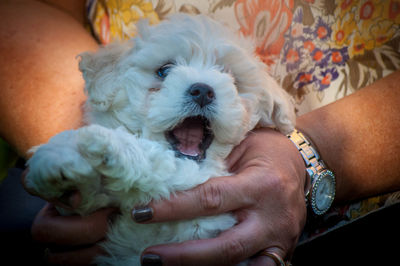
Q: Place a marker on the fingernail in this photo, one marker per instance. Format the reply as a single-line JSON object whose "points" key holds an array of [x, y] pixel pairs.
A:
{"points": [[151, 260], [142, 214]]}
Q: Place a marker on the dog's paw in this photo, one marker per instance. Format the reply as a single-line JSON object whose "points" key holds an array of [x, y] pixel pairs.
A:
{"points": [[100, 147], [57, 168]]}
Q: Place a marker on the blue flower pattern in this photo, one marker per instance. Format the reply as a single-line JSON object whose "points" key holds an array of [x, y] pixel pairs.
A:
{"points": [[306, 49]]}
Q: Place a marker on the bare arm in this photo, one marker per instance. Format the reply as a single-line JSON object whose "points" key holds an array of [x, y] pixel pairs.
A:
{"points": [[358, 137], [41, 93], [41, 86]]}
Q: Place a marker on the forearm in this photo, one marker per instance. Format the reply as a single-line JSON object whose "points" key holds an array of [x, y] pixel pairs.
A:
{"points": [[358, 138], [41, 86]]}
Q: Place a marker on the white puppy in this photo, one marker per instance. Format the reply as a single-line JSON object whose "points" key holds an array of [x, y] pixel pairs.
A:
{"points": [[163, 112]]}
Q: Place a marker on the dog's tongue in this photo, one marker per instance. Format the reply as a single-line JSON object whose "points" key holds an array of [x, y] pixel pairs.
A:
{"points": [[189, 134]]}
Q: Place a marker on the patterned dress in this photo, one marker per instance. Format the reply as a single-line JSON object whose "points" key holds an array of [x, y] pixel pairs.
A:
{"points": [[319, 51]]}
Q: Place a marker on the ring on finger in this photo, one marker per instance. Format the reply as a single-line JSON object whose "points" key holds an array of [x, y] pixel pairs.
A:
{"points": [[276, 258]]}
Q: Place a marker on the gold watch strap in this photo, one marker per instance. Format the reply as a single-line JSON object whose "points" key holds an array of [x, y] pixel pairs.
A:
{"points": [[310, 156], [317, 171], [312, 160]]}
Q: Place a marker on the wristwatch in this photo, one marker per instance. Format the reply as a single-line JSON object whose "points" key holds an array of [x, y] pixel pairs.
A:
{"points": [[321, 184]]}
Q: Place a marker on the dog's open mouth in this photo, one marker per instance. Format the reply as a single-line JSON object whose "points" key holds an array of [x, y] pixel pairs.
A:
{"points": [[191, 138]]}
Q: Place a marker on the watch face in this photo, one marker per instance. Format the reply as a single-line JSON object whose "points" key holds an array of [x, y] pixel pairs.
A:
{"points": [[323, 192]]}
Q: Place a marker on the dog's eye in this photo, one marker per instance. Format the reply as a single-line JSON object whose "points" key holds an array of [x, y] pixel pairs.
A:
{"points": [[163, 71]]}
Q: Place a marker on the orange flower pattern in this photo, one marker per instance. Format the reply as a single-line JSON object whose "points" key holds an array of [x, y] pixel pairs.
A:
{"points": [[267, 21], [339, 43]]}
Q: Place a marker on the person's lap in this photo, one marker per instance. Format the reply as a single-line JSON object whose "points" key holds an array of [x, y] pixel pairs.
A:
{"points": [[371, 240]]}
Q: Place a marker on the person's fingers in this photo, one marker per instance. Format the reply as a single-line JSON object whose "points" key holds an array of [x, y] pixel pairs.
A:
{"points": [[231, 247], [83, 256], [50, 227], [218, 195]]}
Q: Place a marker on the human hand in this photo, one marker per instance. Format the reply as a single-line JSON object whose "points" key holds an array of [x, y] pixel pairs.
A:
{"points": [[70, 240], [266, 195]]}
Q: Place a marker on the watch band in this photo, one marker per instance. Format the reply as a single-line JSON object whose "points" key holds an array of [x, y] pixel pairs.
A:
{"points": [[312, 160], [310, 156], [320, 188]]}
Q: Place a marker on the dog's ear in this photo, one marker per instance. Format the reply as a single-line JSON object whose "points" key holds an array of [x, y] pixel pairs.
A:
{"points": [[277, 108], [274, 106], [99, 72]]}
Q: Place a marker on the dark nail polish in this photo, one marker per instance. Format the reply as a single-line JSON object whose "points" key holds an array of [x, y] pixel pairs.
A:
{"points": [[142, 214], [151, 260]]}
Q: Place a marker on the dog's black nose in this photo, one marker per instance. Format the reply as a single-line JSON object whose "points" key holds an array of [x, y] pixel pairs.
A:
{"points": [[202, 94]]}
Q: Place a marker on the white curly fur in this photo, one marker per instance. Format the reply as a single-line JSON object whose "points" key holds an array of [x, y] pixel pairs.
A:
{"points": [[122, 157]]}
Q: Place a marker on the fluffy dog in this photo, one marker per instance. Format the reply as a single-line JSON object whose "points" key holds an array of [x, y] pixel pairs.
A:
{"points": [[163, 112]]}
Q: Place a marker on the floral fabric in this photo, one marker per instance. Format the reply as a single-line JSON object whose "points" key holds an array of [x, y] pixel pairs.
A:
{"points": [[322, 49], [319, 51]]}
